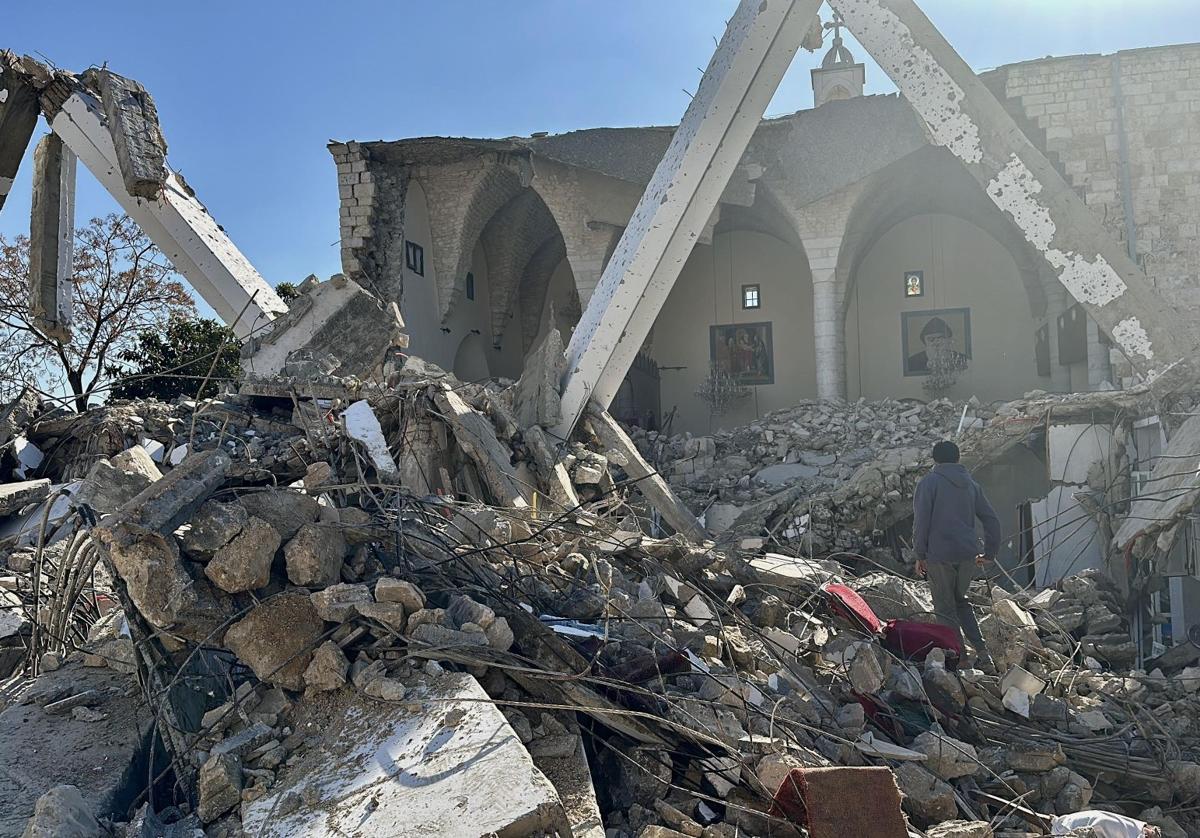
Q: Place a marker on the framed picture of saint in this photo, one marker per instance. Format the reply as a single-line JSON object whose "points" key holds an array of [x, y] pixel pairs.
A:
{"points": [[744, 351], [914, 283], [925, 332]]}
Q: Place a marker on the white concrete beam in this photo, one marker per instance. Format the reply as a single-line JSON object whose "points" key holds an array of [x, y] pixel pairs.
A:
{"points": [[756, 50], [177, 223], [963, 116]]}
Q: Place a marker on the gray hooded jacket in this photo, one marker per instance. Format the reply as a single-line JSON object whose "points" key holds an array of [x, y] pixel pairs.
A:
{"points": [[947, 502]]}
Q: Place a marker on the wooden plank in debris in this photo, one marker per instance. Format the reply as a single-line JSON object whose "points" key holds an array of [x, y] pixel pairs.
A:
{"points": [[477, 438], [18, 117], [648, 480], [52, 238], [133, 123]]}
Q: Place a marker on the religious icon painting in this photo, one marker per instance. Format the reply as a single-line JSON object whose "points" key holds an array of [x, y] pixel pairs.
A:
{"points": [[914, 283], [744, 351]]}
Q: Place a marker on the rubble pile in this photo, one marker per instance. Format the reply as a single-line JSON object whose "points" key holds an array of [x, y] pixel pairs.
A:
{"points": [[407, 614]]}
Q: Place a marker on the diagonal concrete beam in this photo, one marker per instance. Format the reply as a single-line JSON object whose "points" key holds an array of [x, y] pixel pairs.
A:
{"points": [[176, 222], [52, 238], [18, 117], [963, 116], [756, 50]]}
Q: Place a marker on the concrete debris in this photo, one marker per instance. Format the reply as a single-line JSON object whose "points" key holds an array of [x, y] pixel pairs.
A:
{"points": [[336, 643], [16, 496], [63, 813]]}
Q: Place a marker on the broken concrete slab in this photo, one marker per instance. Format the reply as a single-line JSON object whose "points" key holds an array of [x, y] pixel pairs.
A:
{"points": [[446, 762], [648, 480], [39, 750], [362, 425], [16, 496], [477, 437]]}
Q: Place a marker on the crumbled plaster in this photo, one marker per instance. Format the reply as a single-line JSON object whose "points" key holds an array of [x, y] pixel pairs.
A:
{"points": [[921, 78], [1015, 190], [1132, 338]]}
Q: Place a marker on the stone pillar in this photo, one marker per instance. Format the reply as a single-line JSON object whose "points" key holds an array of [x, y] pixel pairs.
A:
{"points": [[829, 328], [1099, 368]]}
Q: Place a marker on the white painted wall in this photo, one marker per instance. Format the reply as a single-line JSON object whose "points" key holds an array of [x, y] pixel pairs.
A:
{"points": [[709, 292], [964, 267], [419, 306]]}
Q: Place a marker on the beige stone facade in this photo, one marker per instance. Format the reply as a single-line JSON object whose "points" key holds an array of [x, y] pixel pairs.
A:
{"points": [[827, 214]]}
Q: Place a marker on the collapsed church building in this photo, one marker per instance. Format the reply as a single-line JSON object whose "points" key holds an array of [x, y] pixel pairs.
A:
{"points": [[579, 503]]}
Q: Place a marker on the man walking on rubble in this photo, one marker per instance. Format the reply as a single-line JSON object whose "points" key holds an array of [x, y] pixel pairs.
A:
{"points": [[946, 504]]}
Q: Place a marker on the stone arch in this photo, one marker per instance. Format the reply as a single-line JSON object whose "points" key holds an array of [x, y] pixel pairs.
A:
{"points": [[511, 239], [929, 182], [536, 286], [470, 361], [463, 197]]}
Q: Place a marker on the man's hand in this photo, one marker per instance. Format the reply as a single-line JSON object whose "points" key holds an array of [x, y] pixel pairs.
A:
{"points": [[920, 567], [981, 560]]}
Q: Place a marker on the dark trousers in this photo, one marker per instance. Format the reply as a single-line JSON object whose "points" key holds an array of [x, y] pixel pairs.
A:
{"points": [[949, 582]]}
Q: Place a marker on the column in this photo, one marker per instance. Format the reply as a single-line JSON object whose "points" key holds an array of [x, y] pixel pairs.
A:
{"points": [[1099, 369], [829, 333]]}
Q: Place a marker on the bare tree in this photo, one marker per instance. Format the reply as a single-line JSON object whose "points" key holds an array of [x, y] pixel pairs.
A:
{"points": [[123, 285]]}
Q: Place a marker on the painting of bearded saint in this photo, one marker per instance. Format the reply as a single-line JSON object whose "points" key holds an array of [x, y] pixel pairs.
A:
{"points": [[744, 351], [923, 333]]}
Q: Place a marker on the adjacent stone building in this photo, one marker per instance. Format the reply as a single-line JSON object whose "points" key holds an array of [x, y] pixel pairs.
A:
{"points": [[848, 257]]}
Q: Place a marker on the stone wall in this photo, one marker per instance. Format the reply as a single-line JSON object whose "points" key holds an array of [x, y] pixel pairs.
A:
{"points": [[1074, 100]]}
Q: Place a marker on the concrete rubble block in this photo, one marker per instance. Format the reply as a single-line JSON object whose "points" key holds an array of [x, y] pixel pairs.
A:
{"points": [[536, 399], [244, 564], [406, 593], [137, 137], [110, 484], [1013, 614], [314, 556], [286, 511], [211, 528], [782, 474], [158, 582], [327, 669], [277, 639], [338, 603], [220, 786], [63, 813], [947, 757], [390, 614], [445, 762], [961, 829], [789, 571], [1034, 759], [925, 796], [16, 496]]}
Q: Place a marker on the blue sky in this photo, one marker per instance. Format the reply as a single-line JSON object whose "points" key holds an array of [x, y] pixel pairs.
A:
{"points": [[250, 92]]}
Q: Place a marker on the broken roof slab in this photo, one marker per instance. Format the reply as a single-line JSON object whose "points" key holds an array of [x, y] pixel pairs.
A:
{"points": [[445, 762]]}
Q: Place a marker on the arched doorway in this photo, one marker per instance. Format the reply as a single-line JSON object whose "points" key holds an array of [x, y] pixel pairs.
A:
{"points": [[470, 361]]}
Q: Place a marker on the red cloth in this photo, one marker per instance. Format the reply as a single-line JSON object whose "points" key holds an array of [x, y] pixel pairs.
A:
{"points": [[906, 638]]}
